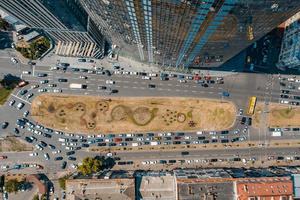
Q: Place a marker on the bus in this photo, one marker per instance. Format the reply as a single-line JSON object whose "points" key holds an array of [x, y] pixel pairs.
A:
{"points": [[252, 104]]}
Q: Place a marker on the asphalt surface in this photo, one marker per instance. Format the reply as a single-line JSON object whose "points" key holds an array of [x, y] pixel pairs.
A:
{"points": [[240, 86]]}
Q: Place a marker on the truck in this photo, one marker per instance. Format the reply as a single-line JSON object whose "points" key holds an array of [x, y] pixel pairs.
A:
{"points": [[276, 133], [77, 86]]}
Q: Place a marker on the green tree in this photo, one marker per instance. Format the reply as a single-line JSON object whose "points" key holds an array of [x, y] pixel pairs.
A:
{"points": [[91, 165], [36, 197], [62, 182], [12, 185]]}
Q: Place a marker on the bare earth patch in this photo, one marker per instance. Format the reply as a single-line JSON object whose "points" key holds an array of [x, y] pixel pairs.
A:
{"points": [[14, 144], [90, 114], [279, 116]]}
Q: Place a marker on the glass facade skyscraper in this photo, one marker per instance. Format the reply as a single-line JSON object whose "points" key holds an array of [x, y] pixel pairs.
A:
{"points": [[65, 21], [189, 33]]}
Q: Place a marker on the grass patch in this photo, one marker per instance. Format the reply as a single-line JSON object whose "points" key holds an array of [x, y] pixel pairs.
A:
{"points": [[4, 94]]}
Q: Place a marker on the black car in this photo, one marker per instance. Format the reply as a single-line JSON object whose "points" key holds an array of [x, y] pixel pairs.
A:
{"points": [[4, 125], [83, 70], [71, 158], [114, 91], [201, 138], [172, 161], [128, 139], [243, 121], [62, 80], [52, 146], [58, 158], [23, 92], [285, 91], [101, 144], [184, 153], [151, 86], [107, 72], [70, 153], [44, 144], [63, 165], [163, 162], [85, 145], [75, 69], [28, 140], [224, 132], [112, 144], [204, 85], [214, 141], [47, 135], [249, 121], [16, 131], [284, 96], [150, 134], [235, 139], [224, 141], [101, 87]]}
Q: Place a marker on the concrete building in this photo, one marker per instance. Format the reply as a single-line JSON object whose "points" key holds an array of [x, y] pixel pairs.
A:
{"points": [[290, 49], [156, 187], [189, 33], [206, 189], [267, 188], [65, 21], [104, 189]]}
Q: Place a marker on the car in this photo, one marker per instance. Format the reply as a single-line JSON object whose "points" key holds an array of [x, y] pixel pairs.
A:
{"points": [[58, 158], [29, 95], [57, 90], [52, 146], [63, 166], [13, 60], [241, 111], [83, 70], [43, 144], [22, 92], [34, 86], [62, 80], [56, 152], [151, 86], [42, 90], [110, 82], [71, 158], [16, 131], [182, 81], [146, 77], [285, 91], [243, 121], [284, 102], [26, 113], [52, 85], [204, 85], [33, 154], [4, 125], [46, 156], [101, 87], [75, 69], [44, 81], [41, 75], [70, 153], [12, 102], [83, 77]]}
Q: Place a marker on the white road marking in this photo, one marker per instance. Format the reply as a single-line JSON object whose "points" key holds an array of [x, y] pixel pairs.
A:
{"points": [[20, 99]]}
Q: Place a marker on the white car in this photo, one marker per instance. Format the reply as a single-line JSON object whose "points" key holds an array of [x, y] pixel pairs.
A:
{"points": [[83, 77], [4, 166], [15, 61], [284, 101], [110, 82], [109, 154], [26, 113], [212, 133], [182, 81], [57, 90], [33, 154], [20, 105], [56, 152], [153, 75], [46, 156], [26, 72], [42, 90], [34, 86], [146, 77]]}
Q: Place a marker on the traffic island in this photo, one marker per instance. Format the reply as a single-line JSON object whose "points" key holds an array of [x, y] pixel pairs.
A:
{"points": [[93, 114], [279, 115]]}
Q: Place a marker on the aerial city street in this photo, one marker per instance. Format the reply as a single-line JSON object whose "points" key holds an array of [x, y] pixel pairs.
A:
{"points": [[130, 99]]}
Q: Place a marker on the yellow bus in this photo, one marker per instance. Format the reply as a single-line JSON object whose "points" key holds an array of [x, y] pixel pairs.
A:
{"points": [[252, 104]]}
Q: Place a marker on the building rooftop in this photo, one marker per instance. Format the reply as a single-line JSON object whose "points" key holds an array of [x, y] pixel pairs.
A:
{"points": [[30, 36], [157, 187], [264, 187], [100, 189], [210, 188]]}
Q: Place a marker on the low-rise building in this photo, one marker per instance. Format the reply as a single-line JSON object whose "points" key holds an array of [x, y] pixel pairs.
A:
{"points": [[206, 189], [267, 188], [156, 187], [104, 189]]}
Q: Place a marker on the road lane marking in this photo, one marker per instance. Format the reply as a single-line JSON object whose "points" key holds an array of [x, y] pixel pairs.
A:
{"points": [[21, 99]]}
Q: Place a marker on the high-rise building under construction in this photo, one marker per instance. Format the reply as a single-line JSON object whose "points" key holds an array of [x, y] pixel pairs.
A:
{"points": [[189, 33]]}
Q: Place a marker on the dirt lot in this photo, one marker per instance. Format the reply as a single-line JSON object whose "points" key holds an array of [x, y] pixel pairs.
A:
{"points": [[117, 115], [279, 116], [14, 144]]}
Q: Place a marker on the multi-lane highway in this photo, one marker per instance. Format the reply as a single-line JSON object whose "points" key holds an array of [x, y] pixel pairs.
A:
{"points": [[239, 86]]}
